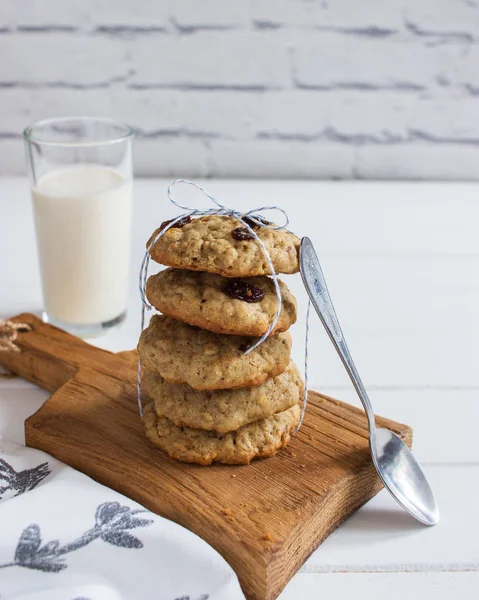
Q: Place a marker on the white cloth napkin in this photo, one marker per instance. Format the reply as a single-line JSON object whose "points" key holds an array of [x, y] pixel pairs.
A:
{"points": [[65, 537]]}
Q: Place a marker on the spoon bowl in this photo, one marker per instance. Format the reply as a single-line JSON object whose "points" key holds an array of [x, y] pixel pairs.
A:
{"points": [[402, 476]]}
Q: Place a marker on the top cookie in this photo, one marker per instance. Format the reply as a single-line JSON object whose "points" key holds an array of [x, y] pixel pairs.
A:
{"points": [[222, 245]]}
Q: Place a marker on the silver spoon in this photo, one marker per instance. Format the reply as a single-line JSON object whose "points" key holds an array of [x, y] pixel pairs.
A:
{"points": [[394, 462]]}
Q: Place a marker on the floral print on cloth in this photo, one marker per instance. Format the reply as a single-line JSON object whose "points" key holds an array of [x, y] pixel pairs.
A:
{"points": [[66, 537]]}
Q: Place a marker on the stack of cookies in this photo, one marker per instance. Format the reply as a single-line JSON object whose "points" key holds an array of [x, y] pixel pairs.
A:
{"points": [[207, 400]]}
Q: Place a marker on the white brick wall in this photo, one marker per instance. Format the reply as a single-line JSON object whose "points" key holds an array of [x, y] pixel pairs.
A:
{"points": [[261, 88]]}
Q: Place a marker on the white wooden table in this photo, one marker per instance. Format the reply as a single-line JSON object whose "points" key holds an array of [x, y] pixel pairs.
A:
{"points": [[402, 263]]}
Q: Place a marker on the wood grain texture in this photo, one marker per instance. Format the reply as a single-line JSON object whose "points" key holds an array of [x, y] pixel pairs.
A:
{"points": [[49, 356], [265, 518]]}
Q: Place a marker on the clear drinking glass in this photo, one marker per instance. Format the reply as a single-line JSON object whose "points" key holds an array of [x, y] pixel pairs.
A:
{"points": [[80, 171]]}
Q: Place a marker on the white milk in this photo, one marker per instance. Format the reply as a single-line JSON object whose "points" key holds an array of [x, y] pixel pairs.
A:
{"points": [[83, 223]]}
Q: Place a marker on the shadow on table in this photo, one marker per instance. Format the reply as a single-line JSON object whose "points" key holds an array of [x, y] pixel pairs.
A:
{"points": [[384, 520]]}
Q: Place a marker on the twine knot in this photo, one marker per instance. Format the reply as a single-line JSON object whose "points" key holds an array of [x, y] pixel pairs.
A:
{"points": [[225, 211], [9, 333]]}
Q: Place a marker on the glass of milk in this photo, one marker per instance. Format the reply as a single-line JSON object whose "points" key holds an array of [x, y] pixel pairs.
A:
{"points": [[80, 171]]}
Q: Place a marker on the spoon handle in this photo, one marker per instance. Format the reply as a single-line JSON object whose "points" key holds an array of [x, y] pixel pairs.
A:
{"points": [[317, 289]]}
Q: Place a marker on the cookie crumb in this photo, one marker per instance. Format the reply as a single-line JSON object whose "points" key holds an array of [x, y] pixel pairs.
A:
{"points": [[227, 512], [303, 466], [233, 475], [267, 537]]}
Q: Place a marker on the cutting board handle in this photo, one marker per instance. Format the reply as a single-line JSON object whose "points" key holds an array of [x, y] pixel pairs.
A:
{"points": [[50, 356]]}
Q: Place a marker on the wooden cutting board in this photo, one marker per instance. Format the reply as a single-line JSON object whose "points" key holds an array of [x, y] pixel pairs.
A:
{"points": [[265, 518]]}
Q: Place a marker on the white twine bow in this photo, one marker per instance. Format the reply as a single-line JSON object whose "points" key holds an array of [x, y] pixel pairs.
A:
{"points": [[254, 216]]}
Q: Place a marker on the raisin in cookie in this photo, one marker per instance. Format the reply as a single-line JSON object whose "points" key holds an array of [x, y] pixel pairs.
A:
{"points": [[258, 439], [223, 410], [205, 360], [223, 245], [234, 306]]}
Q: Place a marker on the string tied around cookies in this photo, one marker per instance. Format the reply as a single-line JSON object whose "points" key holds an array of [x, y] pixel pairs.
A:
{"points": [[9, 331], [247, 220]]}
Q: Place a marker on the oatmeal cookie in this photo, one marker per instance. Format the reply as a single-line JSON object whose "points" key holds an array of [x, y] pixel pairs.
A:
{"points": [[258, 439], [233, 306], [223, 245], [205, 360], [223, 410]]}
